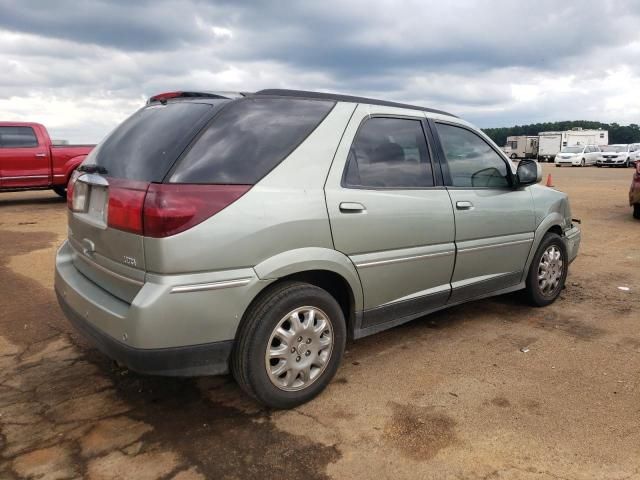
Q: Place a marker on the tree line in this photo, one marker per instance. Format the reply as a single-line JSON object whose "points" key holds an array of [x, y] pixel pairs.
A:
{"points": [[617, 133]]}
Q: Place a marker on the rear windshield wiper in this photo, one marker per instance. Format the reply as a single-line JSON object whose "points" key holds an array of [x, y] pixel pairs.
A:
{"points": [[92, 168]]}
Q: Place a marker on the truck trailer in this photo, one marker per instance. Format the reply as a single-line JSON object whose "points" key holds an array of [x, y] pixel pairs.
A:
{"points": [[551, 143], [521, 146]]}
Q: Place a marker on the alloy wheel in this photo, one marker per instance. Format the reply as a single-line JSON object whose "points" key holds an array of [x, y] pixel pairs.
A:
{"points": [[299, 348], [550, 270]]}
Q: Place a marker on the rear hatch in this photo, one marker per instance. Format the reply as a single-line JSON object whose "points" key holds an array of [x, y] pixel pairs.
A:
{"points": [[168, 168], [107, 192]]}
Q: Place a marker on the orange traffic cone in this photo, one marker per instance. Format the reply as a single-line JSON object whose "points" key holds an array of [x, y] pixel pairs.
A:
{"points": [[549, 181]]}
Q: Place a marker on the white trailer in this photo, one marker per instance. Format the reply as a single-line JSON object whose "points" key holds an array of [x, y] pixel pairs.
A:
{"points": [[521, 146], [549, 144], [552, 142]]}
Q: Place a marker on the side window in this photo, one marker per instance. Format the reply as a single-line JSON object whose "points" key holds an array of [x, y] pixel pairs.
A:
{"points": [[389, 153], [472, 162], [12, 137]]}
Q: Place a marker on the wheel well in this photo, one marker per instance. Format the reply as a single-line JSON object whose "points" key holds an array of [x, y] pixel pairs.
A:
{"points": [[333, 283], [556, 229]]}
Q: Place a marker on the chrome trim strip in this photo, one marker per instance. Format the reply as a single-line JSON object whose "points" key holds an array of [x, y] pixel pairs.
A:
{"points": [[486, 247], [422, 293], [199, 287], [93, 179], [403, 259], [25, 176]]}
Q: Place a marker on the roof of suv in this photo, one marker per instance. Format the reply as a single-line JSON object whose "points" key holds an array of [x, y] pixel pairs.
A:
{"points": [[345, 98]]}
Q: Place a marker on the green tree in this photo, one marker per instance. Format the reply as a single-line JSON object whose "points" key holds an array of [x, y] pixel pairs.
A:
{"points": [[617, 133]]}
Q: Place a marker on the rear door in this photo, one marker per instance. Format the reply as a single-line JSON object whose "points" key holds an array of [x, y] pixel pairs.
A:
{"points": [[24, 161], [494, 222], [105, 223], [390, 214]]}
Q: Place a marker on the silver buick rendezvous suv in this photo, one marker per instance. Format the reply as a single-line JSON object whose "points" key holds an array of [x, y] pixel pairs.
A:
{"points": [[254, 233]]}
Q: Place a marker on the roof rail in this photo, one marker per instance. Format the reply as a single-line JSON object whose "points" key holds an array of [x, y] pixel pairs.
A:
{"points": [[345, 98]]}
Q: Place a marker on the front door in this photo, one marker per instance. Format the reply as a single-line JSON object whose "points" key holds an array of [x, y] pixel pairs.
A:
{"points": [[495, 223], [23, 163], [389, 215]]}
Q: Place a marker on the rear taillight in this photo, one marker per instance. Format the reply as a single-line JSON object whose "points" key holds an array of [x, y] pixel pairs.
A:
{"points": [[126, 205], [164, 209], [72, 182], [171, 208]]}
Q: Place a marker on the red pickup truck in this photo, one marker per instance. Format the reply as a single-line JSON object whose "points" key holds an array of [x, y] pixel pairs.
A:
{"points": [[29, 161]]}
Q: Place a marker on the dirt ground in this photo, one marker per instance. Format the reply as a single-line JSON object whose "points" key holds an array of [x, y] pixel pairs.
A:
{"points": [[453, 395]]}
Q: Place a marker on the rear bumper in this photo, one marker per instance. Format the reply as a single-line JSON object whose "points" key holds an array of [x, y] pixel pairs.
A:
{"points": [[179, 325], [572, 239], [203, 359]]}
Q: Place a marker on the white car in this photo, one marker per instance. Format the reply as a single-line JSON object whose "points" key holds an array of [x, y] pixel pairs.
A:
{"points": [[619, 155], [578, 156]]}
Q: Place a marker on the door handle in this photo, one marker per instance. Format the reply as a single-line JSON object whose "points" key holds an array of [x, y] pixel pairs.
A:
{"points": [[464, 205], [41, 154], [352, 207]]}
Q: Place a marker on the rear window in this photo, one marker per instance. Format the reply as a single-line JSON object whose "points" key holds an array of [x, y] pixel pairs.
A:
{"points": [[15, 137], [147, 144], [248, 138]]}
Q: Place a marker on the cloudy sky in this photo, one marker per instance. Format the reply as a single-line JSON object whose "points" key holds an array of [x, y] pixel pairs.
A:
{"points": [[80, 67]]}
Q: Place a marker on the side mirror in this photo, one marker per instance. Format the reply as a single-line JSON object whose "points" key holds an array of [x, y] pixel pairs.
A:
{"points": [[528, 172]]}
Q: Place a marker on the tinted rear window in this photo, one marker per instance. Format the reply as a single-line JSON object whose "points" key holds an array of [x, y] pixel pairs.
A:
{"points": [[14, 137], [146, 145], [248, 138]]}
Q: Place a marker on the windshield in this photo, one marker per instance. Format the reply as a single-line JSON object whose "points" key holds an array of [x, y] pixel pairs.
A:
{"points": [[614, 148], [572, 150], [146, 145]]}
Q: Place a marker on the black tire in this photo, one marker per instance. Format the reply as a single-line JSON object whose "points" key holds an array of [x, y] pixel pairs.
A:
{"points": [[62, 191], [558, 165], [535, 295], [513, 156], [636, 211], [582, 163], [598, 165], [262, 317]]}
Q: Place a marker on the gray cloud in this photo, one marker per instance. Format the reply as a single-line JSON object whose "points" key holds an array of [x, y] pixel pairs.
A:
{"points": [[495, 62]]}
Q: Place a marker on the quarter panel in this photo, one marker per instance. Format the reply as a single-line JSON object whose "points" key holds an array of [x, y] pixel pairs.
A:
{"points": [[284, 211]]}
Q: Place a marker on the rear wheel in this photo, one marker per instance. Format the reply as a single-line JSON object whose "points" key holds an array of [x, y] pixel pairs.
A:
{"points": [[290, 345], [636, 210], [62, 191], [548, 271]]}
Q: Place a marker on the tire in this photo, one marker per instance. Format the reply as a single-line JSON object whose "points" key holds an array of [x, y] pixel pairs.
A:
{"points": [[636, 211], [598, 165], [62, 191], [257, 334], [513, 156], [558, 165], [582, 163], [535, 293]]}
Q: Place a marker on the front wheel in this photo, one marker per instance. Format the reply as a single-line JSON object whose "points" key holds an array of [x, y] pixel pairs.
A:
{"points": [[636, 211], [513, 156], [582, 163], [290, 345], [548, 271], [60, 190]]}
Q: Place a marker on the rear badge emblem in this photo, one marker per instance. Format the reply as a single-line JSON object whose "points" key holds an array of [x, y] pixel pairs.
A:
{"points": [[129, 261]]}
